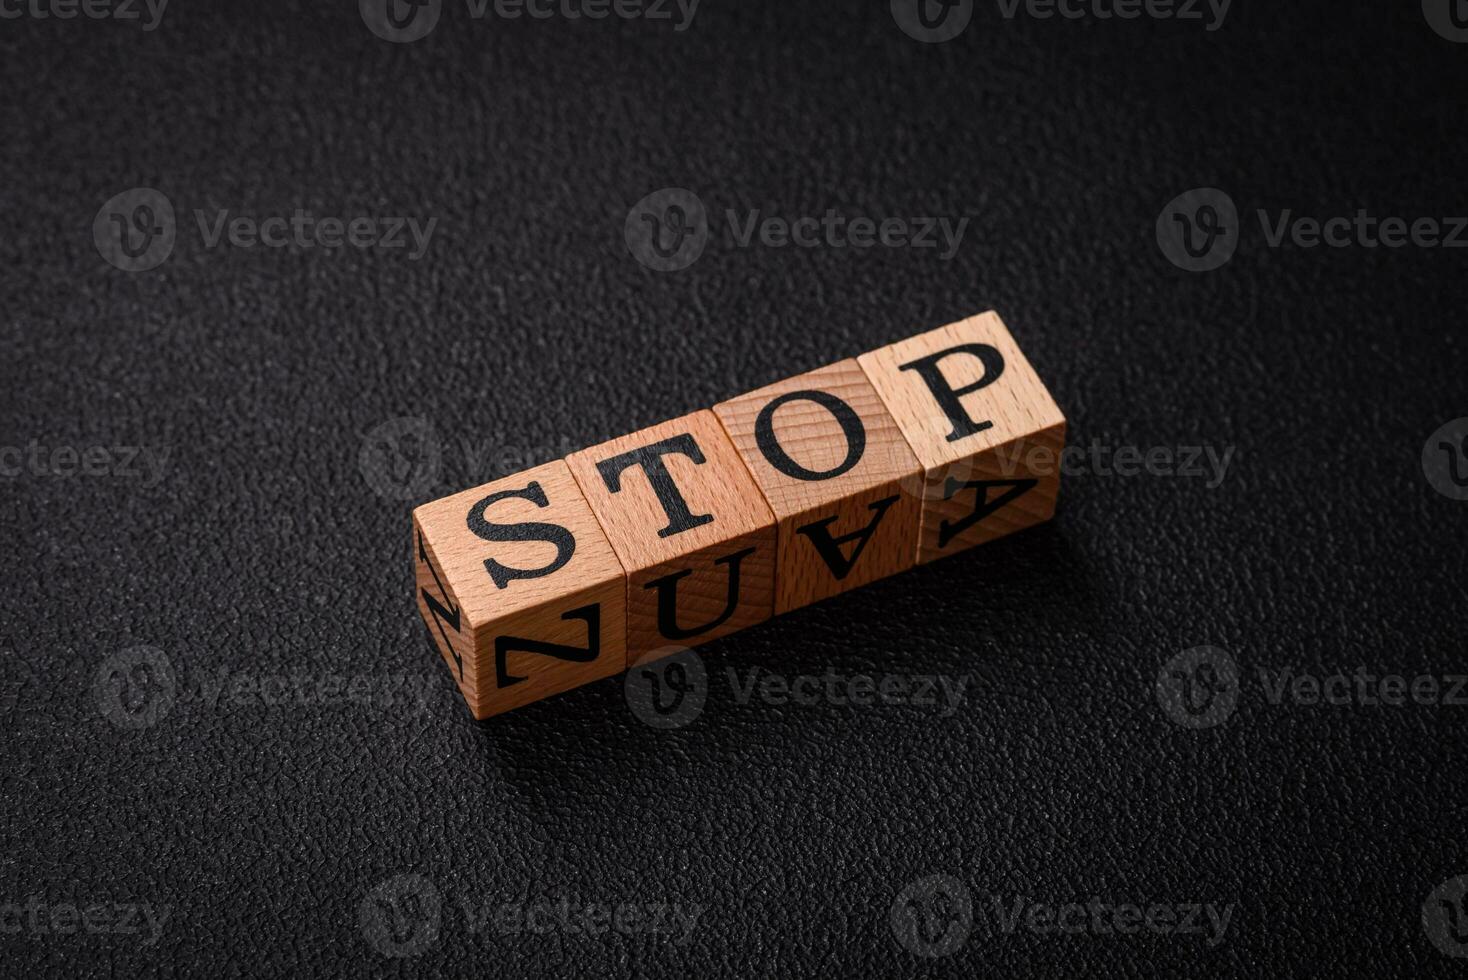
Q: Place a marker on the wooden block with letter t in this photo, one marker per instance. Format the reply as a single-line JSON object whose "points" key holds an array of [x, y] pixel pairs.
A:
{"points": [[985, 429], [690, 527], [520, 589], [837, 472]]}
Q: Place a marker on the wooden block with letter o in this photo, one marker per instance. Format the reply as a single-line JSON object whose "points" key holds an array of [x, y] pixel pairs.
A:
{"points": [[839, 476], [690, 527], [986, 431], [520, 589]]}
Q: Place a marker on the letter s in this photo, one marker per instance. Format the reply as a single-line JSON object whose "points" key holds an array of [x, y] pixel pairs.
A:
{"points": [[561, 537]]}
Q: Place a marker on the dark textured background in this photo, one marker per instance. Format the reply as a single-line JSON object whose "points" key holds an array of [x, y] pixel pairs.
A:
{"points": [[529, 329]]}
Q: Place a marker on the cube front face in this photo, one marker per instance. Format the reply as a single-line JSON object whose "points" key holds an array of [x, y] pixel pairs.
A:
{"points": [[984, 428], [520, 589], [839, 475], [690, 527]]}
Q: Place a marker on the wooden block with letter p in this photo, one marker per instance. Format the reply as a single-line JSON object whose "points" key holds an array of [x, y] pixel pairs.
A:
{"points": [[839, 476], [520, 589], [985, 429], [690, 527]]}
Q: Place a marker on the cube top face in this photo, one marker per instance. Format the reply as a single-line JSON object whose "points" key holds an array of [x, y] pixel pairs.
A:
{"points": [[817, 438], [496, 570], [961, 389], [669, 490]]}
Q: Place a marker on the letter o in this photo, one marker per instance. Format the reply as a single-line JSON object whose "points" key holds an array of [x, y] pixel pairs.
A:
{"points": [[851, 427]]}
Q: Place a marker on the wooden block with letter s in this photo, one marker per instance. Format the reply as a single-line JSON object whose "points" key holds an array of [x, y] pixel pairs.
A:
{"points": [[839, 476], [691, 528], [983, 426], [520, 589]]}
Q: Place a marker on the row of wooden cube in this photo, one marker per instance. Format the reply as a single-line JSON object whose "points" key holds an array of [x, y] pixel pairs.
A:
{"points": [[696, 528]]}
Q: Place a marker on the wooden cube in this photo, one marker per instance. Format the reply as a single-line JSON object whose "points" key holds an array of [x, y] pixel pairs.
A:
{"points": [[520, 589], [838, 474], [986, 431], [689, 525]]}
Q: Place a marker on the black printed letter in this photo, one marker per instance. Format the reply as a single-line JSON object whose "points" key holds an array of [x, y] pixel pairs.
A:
{"points": [[561, 537], [948, 397], [851, 428], [650, 458]]}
